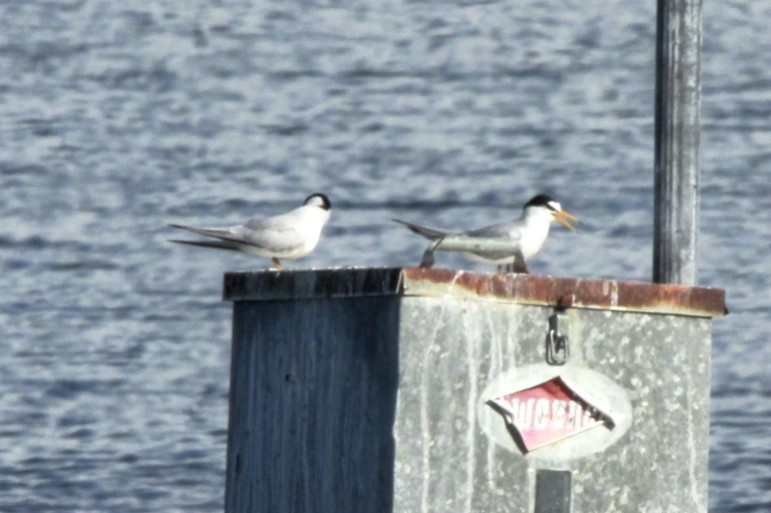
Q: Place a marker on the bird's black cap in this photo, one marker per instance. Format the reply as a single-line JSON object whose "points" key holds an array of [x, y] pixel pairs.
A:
{"points": [[319, 200], [542, 200]]}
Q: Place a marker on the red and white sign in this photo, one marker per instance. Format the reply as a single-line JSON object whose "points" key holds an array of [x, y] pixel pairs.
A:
{"points": [[547, 413]]}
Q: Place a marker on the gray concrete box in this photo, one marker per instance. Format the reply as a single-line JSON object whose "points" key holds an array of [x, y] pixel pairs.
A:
{"points": [[379, 390]]}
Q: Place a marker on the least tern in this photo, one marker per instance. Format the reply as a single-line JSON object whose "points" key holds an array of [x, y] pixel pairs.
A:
{"points": [[291, 235], [527, 234]]}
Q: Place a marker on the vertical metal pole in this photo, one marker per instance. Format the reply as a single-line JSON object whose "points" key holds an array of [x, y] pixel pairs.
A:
{"points": [[678, 88]]}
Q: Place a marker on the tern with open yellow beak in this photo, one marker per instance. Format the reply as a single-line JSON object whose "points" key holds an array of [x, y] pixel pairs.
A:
{"points": [[527, 234]]}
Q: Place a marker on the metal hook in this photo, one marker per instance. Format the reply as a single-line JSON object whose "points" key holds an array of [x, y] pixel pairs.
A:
{"points": [[557, 350]]}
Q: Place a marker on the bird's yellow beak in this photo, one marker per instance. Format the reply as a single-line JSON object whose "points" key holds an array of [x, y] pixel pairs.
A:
{"points": [[562, 218]]}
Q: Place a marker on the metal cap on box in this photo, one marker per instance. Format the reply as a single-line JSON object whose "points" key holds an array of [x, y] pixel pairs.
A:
{"points": [[520, 288]]}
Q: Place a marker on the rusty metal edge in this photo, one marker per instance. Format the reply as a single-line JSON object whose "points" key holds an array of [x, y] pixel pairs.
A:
{"points": [[568, 292], [520, 288]]}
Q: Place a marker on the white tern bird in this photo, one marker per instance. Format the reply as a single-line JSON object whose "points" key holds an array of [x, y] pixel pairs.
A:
{"points": [[527, 234], [291, 235]]}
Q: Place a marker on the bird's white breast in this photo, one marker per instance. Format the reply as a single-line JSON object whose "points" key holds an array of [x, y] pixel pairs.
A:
{"points": [[534, 235], [313, 220]]}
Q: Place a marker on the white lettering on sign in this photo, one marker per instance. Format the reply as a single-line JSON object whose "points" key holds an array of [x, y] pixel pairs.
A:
{"points": [[551, 411], [558, 407], [547, 414]]}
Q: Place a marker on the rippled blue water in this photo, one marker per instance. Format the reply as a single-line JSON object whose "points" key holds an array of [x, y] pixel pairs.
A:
{"points": [[119, 117]]}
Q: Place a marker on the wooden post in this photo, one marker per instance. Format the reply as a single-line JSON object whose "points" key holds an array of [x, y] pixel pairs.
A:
{"points": [[431, 390], [676, 218]]}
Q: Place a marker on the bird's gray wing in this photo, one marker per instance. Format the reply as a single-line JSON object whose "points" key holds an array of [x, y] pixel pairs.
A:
{"points": [[425, 231], [509, 231], [216, 244], [219, 233], [271, 235]]}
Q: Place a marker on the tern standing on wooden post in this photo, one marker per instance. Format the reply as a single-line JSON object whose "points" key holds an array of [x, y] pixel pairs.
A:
{"points": [[291, 235]]}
